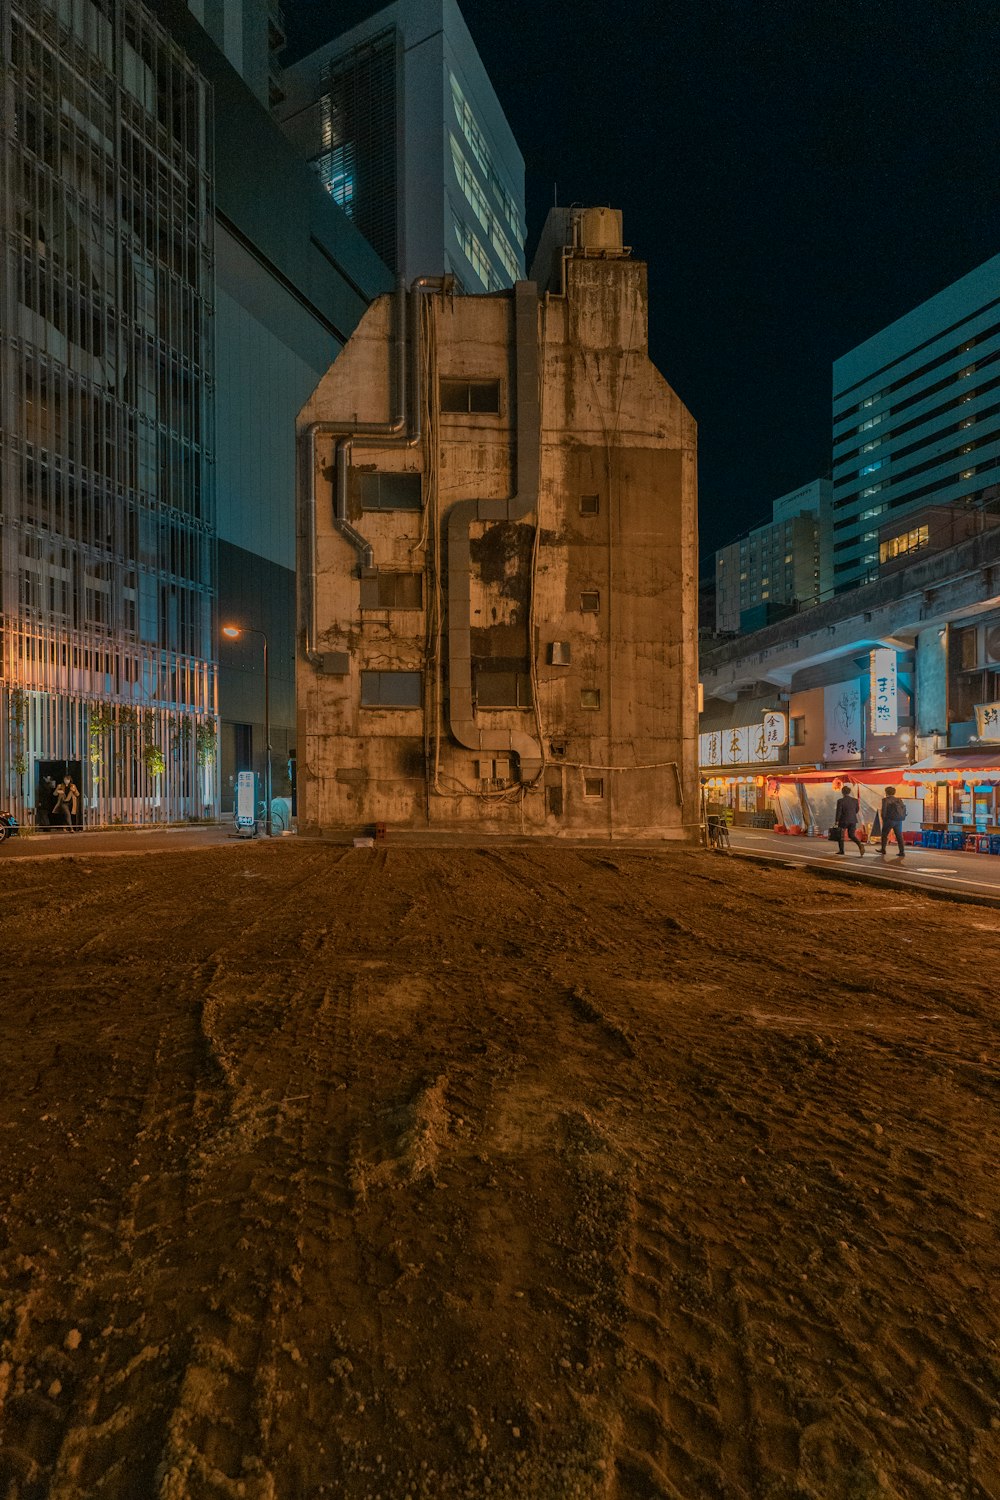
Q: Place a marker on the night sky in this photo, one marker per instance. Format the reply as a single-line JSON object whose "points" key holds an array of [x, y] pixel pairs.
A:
{"points": [[797, 173]]}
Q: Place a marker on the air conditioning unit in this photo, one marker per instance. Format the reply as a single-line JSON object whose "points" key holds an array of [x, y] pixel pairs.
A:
{"points": [[993, 643]]}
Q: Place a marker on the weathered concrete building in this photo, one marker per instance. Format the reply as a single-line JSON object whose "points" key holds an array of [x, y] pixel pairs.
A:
{"points": [[498, 570]]}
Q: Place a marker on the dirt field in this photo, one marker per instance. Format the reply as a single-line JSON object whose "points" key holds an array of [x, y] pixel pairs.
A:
{"points": [[521, 1172]]}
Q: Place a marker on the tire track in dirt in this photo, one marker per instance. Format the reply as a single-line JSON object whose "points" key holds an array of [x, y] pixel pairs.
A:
{"points": [[295, 1223], [487, 1167], [106, 1295], [757, 1321], [255, 1178]]}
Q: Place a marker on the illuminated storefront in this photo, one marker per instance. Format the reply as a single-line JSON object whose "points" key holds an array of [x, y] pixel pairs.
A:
{"points": [[732, 785], [959, 793]]}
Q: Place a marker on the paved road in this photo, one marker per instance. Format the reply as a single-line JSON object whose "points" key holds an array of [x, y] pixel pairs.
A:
{"points": [[55, 845], [937, 869]]}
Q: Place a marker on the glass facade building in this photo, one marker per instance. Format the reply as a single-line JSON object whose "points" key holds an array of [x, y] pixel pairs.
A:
{"points": [[174, 282], [106, 370], [916, 422]]}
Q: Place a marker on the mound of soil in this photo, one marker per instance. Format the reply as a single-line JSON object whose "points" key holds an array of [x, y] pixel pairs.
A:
{"points": [[529, 1172]]}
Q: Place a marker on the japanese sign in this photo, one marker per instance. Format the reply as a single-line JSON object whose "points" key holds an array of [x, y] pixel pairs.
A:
{"points": [[882, 674], [744, 746], [988, 721], [842, 721], [776, 728]]}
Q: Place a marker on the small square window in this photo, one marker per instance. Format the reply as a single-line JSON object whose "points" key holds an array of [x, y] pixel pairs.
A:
{"points": [[590, 505], [593, 786], [590, 697], [392, 591], [503, 689], [590, 603], [463, 396], [384, 491], [390, 689]]}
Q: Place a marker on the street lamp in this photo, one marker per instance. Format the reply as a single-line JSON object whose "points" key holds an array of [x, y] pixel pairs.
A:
{"points": [[234, 632]]}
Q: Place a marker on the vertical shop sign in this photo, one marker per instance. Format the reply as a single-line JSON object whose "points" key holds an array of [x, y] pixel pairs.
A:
{"points": [[842, 721], [988, 721], [883, 694], [775, 730]]}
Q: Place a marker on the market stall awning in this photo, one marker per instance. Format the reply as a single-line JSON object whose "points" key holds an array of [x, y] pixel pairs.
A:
{"points": [[864, 776], [973, 766]]}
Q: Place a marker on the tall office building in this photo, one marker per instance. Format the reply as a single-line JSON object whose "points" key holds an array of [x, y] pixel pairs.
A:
{"points": [[292, 278], [106, 360], [251, 34], [775, 567], [916, 422], [173, 281], [402, 125]]}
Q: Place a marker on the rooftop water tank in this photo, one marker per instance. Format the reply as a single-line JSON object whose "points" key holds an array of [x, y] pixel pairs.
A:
{"points": [[599, 229]]}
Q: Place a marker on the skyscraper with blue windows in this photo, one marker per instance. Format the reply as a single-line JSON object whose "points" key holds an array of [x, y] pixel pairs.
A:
{"points": [[400, 121], [916, 422]]}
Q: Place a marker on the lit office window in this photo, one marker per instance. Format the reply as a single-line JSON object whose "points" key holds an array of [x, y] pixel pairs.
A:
{"points": [[475, 253], [477, 200], [902, 545], [482, 154]]}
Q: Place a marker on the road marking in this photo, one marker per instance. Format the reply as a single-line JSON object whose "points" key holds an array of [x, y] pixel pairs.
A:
{"points": [[933, 870]]}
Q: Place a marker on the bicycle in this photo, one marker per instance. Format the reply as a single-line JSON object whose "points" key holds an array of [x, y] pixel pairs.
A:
{"points": [[718, 833]]}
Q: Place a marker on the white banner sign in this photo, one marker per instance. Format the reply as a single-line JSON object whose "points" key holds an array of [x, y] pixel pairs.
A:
{"points": [[988, 721], [842, 721], [776, 728], [746, 746], [883, 692]]}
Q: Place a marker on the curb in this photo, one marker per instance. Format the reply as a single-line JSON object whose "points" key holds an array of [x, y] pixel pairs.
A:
{"points": [[775, 861]]}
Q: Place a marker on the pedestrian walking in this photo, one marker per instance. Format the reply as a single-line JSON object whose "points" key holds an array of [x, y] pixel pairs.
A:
{"points": [[845, 819], [892, 815]]}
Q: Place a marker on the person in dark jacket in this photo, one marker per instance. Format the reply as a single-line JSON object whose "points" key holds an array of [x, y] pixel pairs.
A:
{"points": [[846, 819], [892, 815]]}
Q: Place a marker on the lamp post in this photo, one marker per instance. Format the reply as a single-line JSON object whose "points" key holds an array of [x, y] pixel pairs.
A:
{"points": [[233, 632]]}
